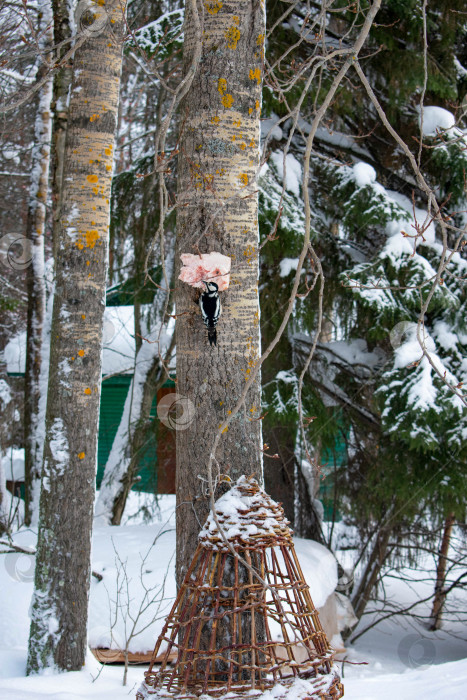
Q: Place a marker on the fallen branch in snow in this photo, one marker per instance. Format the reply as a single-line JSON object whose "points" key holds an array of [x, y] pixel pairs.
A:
{"points": [[15, 547]]}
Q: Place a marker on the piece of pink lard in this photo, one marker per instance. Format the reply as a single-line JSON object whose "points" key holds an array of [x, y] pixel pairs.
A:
{"points": [[211, 267]]}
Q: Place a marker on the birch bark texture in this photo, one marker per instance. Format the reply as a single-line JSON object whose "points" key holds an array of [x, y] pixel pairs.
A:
{"points": [[62, 29], [36, 220], [217, 210], [60, 601]]}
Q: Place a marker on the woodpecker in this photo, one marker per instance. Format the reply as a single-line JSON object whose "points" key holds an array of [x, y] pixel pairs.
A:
{"points": [[210, 305]]}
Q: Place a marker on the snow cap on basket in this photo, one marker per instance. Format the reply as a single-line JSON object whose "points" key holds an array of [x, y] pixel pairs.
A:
{"points": [[247, 516], [211, 267]]}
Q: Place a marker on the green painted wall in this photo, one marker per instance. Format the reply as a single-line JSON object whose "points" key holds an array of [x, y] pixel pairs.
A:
{"points": [[114, 393]]}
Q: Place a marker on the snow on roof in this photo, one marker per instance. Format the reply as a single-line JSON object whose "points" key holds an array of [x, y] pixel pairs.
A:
{"points": [[119, 344], [247, 516], [13, 464]]}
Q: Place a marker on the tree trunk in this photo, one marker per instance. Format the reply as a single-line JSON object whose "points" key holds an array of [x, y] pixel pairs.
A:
{"points": [[372, 571], [62, 12], [60, 600], [37, 209], [440, 595], [279, 474], [218, 211]]}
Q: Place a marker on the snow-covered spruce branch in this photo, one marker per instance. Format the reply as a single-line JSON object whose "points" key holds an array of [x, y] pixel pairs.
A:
{"points": [[434, 214]]}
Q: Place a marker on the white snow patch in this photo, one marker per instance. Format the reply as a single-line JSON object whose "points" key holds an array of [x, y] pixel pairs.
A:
{"points": [[418, 216], [293, 171], [5, 393], [13, 464], [270, 129], [15, 354], [460, 70], [364, 174], [423, 393], [319, 569], [286, 266], [444, 335], [59, 446], [436, 119]]}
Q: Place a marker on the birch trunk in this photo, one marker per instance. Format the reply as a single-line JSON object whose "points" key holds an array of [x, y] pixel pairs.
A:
{"points": [[60, 601], [63, 22], [218, 211], [37, 211]]}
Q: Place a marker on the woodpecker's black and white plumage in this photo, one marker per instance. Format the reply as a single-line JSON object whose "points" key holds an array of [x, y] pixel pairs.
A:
{"points": [[210, 305]]}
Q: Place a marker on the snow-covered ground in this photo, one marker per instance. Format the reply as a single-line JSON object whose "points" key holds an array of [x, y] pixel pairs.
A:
{"points": [[400, 660]]}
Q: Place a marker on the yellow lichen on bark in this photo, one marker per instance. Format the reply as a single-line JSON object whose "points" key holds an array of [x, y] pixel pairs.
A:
{"points": [[226, 99], [232, 36], [255, 75], [213, 6]]}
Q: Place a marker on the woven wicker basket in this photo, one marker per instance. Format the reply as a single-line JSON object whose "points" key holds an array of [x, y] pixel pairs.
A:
{"points": [[233, 634]]}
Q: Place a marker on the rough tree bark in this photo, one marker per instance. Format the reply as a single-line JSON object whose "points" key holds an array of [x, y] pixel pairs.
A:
{"points": [[440, 595], [62, 11], [35, 232], [60, 600], [218, 211]]}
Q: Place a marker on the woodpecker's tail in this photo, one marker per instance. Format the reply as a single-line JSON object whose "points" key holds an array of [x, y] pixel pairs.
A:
{"points": [[212, 335]]}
